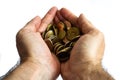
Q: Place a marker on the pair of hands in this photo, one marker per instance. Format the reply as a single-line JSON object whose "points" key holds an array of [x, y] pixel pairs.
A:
{"points": [[88, 50]]}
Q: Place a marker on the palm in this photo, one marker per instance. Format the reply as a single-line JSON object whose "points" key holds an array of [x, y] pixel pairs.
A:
{"points": [[32, 47], [39, 48], [85, 50], [89, 47]]}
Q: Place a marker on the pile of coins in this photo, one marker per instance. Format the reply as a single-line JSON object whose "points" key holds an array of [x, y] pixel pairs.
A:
{"points": [[61, 38]]}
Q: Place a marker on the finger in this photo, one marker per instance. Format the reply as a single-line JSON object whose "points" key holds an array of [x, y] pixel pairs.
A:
{"points": [[60, 17], [48, 18], [34, 24], [85, 25], [56, 20], [68, 16]]}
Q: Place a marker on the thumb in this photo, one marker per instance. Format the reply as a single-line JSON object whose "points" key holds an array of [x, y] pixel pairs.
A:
{"points": [[47, 19], [85, 25], [34, 24]]}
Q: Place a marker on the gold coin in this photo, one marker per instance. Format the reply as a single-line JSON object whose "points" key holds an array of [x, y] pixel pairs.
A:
{"points": [[72, 44], [67, 49], [67, 24], [60, 26], [61, 34], [65, 40], [75, 38], [61, 38], [55, 30], [48, 34], [64, 54], [59, 48], [49, 44], [56, 45], [67, 44], [49, 27], [54, 39], [72, 32]]}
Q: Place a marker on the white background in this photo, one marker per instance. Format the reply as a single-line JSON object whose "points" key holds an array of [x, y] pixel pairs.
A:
{"points": [[104, 14]]}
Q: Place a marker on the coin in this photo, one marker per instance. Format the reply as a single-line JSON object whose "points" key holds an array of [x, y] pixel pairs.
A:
{"points": [[67, 49], [56, 45], [64, 54], [59, 48], [48, 34], [61, 38], [49, 27], [75, 38], [60, 26], [49, 43], [67, 24], [61, 34], [72, 32], [55, 30]]}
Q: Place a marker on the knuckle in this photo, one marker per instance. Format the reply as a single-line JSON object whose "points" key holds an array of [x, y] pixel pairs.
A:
{"points": [[44, 22], [98, 34], [101, 34], [20, 34]]}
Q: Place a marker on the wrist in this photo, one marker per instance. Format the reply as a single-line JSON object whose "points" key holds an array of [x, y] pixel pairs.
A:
{"points": [[46, 70], [85, 66], [29, 70], [78, 72], [88, 72], [40, 71]]}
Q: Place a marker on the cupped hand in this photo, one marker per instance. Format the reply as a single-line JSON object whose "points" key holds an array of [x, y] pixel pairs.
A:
{"points": [[88, 50], [32, 48]]}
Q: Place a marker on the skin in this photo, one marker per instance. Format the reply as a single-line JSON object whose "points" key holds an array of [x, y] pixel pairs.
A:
{"points": [[38, 63], [87, 53]]}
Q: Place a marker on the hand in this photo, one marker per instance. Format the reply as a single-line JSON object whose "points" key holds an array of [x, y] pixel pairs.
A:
{"points": [[33, 49], [88, 50]]}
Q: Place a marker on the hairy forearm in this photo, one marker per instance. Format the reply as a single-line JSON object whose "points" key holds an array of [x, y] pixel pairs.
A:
{"points": [[95, 74], [28, 71], [100, 75], [88, 72]]}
